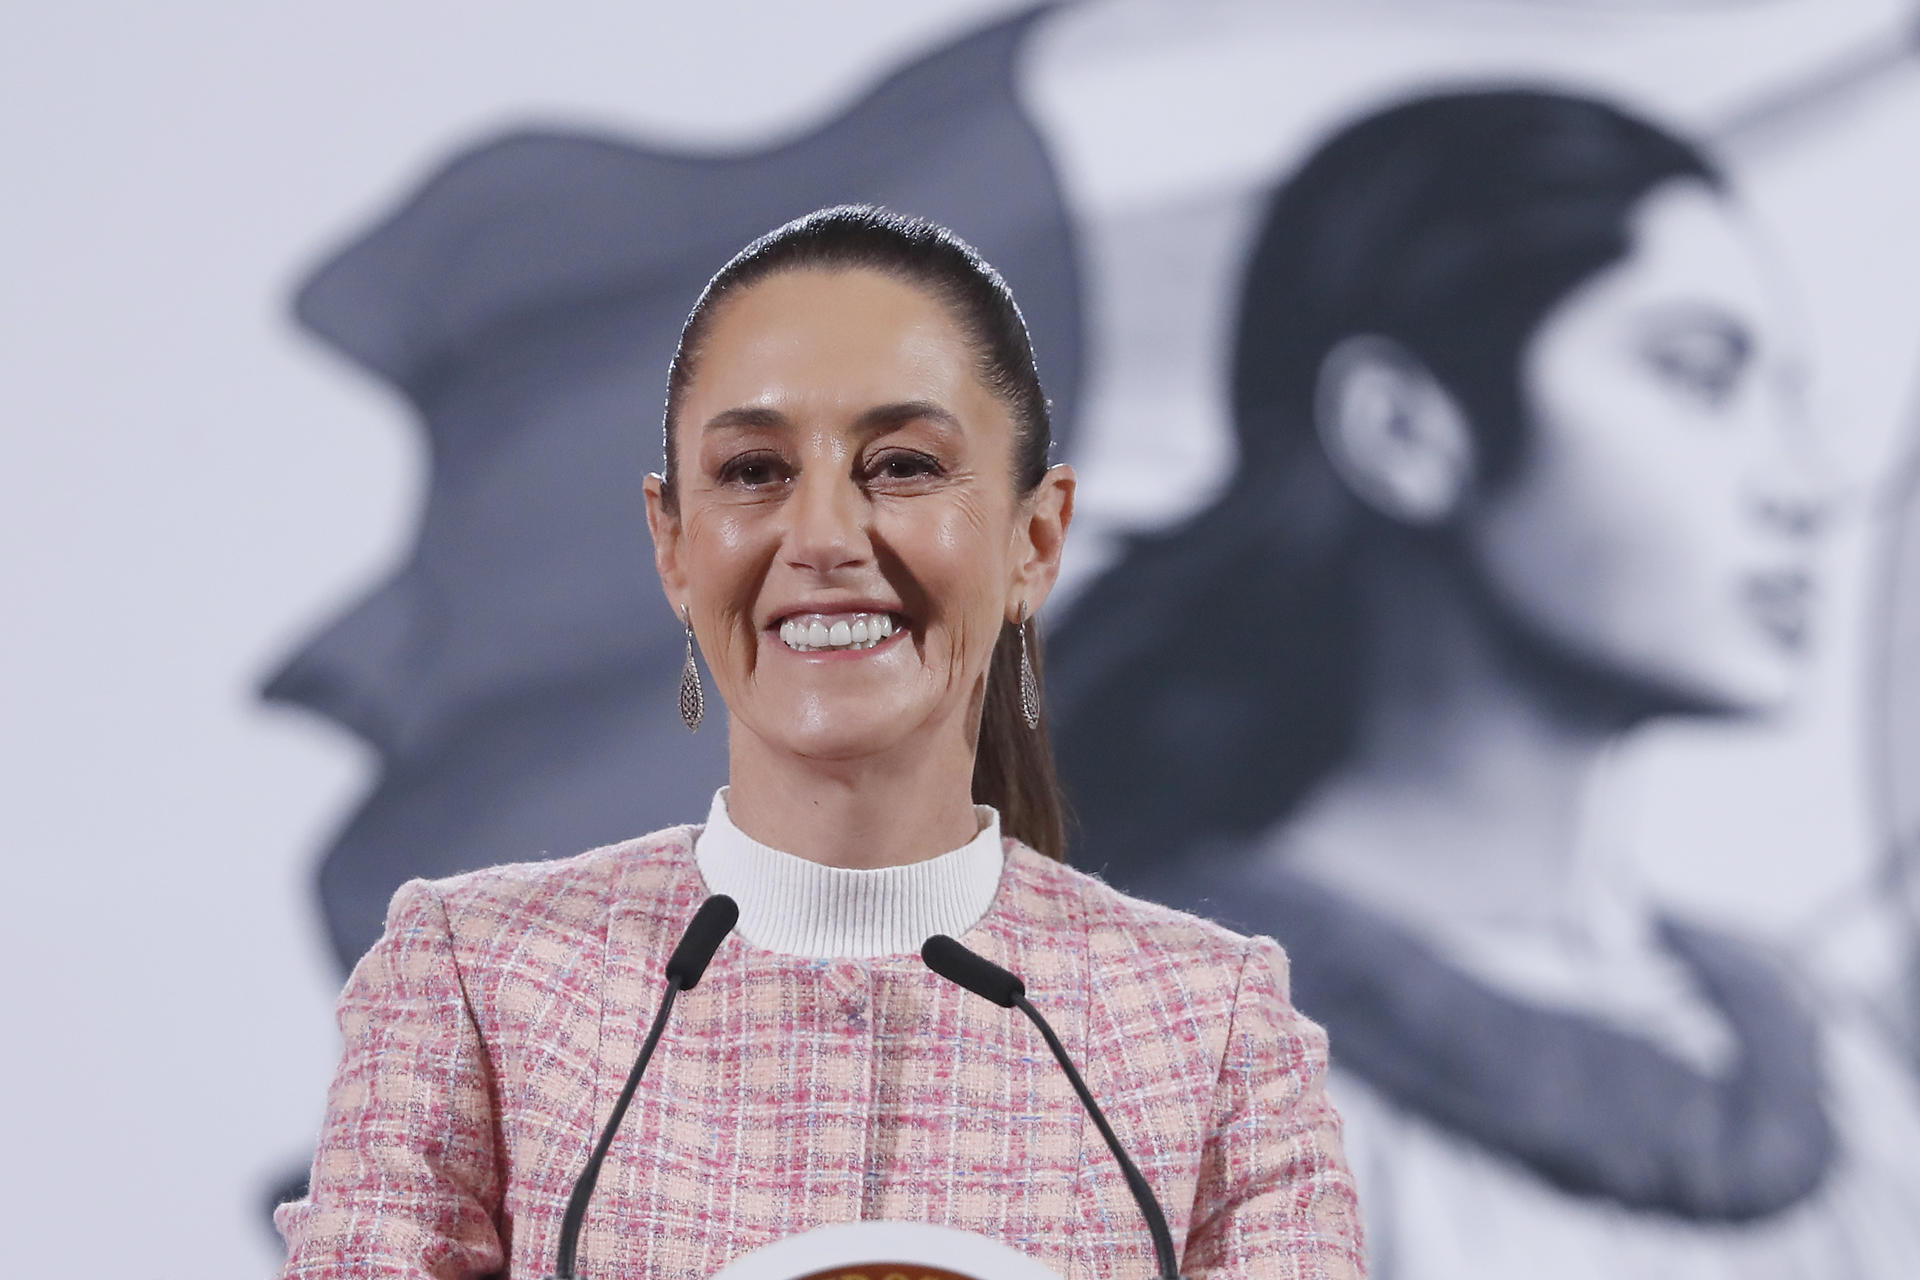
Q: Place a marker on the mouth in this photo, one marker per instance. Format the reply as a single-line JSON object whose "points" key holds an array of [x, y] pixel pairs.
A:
{"points": [[840, 632], [1782, 603]]}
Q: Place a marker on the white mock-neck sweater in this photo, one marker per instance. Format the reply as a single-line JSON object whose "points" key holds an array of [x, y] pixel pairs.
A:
{"points": [[796, 906]]}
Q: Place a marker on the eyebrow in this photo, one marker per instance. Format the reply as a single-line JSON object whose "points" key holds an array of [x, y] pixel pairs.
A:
{"points": [[744, 417], [875, 421]]}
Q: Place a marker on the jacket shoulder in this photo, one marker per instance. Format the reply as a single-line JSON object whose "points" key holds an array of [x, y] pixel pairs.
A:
{"points": [[563, 895], [1166, 989], [1118, 923]]}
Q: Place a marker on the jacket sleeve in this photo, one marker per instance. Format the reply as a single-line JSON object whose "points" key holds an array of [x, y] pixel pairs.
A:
{"points": [[1275, 1197], [406, 1179]]}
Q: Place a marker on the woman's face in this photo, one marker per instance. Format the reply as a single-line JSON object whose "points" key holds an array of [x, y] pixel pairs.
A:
{"points": [[1660, 525], [848, 539]]}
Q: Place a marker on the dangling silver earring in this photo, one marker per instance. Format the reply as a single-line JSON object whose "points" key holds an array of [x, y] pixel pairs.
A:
{"points": [[693, 699], [1029, 685]]}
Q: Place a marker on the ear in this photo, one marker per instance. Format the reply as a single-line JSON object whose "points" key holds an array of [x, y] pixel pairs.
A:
{"points": [[663, 523], [1039, 539], [1397, 437]]}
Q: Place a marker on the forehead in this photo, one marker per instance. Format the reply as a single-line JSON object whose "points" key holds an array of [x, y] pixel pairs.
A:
{"points": [[1690, 245], [833, 343]]}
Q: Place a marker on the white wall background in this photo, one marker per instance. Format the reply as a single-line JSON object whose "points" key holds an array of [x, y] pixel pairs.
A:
{"points": [[186, 485]]}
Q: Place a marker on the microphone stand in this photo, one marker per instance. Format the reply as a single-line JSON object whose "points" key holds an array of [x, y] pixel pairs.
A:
{"points": [[576, 1214], [965, 968], [708, 929]]}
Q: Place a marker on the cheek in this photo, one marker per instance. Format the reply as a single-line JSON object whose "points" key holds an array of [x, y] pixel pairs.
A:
{"points": [[1621, 531], [957, 560], [721, 541], [725, 554]]}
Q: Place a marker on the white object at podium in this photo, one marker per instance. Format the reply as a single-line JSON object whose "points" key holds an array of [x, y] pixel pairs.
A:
{"points": [[883, 1251]]}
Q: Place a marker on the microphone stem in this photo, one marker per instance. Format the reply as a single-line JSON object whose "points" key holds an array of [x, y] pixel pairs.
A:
{"points": [[1149, 1207], [583, 1187]]}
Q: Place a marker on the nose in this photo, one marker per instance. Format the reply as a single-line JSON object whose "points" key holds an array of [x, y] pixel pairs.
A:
{"points": [[1799, 486], [1796, 507], [826, 522]]}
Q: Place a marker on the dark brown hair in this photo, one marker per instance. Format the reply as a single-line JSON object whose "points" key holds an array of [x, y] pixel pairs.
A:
{"points": [[1013, 768]]}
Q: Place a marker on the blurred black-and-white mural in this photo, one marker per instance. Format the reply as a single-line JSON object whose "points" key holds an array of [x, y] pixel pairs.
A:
{"points": [[1523, 462], [1496, 572], [1489, 579]]}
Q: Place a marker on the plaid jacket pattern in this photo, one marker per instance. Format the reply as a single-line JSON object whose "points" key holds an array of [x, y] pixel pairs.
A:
{"points": [[489, 1031]]}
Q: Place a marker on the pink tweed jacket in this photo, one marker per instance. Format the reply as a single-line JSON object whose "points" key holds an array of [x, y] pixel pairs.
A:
{"points": [[489, 1031]]}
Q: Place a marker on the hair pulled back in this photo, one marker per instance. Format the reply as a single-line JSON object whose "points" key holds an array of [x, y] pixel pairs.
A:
{"points": [[1013, 765], [1218, 663]]}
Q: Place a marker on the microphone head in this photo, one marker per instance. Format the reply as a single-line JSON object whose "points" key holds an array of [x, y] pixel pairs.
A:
{"points": [[971, 970], [709, 928]]}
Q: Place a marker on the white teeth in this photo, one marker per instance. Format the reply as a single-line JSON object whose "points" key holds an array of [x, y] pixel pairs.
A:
{"points": [[860, 631]]}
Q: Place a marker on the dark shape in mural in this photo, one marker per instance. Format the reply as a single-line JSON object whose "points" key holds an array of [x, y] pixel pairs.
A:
{"points": [[517, 675], [1521, 466]]}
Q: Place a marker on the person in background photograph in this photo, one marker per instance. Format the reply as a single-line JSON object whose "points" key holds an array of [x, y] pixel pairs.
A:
{"points": [[1522, 465], [856, 522]]}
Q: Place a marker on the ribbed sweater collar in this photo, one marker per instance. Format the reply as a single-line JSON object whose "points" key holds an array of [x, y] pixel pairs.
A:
{"points": [[795, 906]]}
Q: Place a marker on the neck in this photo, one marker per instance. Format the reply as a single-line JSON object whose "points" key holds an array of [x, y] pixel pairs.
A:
{"points": [[885, 810], [1464, 795]]}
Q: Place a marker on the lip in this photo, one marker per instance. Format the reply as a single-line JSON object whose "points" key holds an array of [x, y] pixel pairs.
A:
{"points": [[1780, 601]]}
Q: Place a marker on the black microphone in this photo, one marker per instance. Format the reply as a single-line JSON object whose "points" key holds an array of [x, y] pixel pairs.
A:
{"points": [[989, 981], [709, 928]]}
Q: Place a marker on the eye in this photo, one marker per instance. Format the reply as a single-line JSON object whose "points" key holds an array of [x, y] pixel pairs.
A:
{"points": [[902, 464], [757, 470], [1703, 361]]}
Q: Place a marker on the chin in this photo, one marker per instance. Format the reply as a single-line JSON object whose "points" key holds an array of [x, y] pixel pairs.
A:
{"points": [[1632, 682], [834, 748], [1759, 686], [839, 733]]}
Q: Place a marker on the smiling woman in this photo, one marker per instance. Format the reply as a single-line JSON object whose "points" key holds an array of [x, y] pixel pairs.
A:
{"points": [[856, 523]]}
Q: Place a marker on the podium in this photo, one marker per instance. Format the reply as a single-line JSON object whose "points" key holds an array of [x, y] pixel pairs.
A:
{"points": [[885, 1251]]}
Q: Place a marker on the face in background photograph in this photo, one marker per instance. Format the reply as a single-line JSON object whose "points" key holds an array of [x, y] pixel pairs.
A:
{"points": [[1659, 522], [1516, 399]]}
